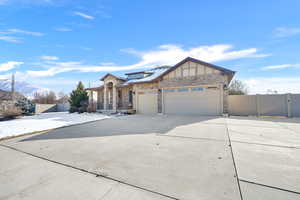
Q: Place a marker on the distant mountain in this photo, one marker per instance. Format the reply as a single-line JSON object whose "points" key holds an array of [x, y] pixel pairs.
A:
{"points": [[22, 87]]}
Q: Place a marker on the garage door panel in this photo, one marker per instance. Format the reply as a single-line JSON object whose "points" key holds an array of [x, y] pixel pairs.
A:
{"points": [[147, 102], [195, 102]]}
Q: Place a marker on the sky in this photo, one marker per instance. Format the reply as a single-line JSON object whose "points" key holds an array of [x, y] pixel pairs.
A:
{"points": [[56, 43]]}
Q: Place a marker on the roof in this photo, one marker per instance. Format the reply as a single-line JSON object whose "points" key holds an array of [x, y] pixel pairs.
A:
{"points": [[95, 88], [117, 77], [158, 72], [155, 73], [141, 72], [201, 63]]}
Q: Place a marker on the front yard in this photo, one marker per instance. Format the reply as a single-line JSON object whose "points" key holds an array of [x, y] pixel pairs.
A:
{"points": [[45, 121]]}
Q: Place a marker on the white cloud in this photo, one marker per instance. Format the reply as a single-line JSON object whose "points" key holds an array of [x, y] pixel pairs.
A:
{"points": [[83, 15], [49, 58], [16, 31], [10, 39], [9, 65], [163, 55], [284, 66], [8, 35], [63, 29], [261, 85], [286, 32]]}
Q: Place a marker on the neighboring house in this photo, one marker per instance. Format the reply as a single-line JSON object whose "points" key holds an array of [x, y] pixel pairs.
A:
{"points": [[189, 87]]}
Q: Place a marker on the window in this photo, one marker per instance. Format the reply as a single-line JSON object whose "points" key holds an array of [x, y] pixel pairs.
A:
{"points": [[130, 96], [197, 89], [169, 90], [183, 90], [151, 92], [212, 88]]}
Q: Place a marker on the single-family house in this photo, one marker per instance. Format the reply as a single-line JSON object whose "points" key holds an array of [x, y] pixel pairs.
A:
{"points": [[189, 87]]}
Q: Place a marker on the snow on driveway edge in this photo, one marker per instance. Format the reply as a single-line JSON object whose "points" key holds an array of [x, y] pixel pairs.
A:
{"points": [[45, 121]]}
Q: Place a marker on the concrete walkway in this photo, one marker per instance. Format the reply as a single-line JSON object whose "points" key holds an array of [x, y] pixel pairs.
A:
{"points": [[156, 157]]}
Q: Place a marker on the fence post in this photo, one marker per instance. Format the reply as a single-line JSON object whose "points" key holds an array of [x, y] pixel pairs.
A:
{"points": [[257, 105], [289, 104]]}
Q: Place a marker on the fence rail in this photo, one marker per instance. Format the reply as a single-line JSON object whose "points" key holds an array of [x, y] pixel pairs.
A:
{"points": [[273, 105]]}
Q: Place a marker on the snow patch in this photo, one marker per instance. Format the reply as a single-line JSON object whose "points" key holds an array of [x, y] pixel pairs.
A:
{"points": [[45, 121]]}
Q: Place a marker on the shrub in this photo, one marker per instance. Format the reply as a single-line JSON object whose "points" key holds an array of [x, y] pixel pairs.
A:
{"points": [[73, 109], [26, 106], [12, 112]]}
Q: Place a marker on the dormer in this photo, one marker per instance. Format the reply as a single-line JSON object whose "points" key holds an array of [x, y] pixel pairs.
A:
{"points": [[137, 75]]}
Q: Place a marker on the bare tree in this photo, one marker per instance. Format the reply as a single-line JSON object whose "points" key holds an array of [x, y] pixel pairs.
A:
{"points": [[62, 98], [237, 87], [45, 98]]}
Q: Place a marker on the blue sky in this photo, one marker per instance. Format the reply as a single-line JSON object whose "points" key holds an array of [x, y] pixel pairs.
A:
{"points": [[55, 43]]}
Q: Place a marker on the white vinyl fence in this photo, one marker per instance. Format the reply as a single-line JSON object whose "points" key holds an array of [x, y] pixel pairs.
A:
{"points": [[44, 108], [271, 105]]}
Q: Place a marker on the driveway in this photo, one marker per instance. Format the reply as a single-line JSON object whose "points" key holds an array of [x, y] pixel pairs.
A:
{"points": [[156, 157]]}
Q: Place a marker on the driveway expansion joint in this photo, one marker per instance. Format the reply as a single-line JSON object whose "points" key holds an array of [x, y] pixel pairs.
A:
{"points": [[89, 172], [263, 144], [269, 186], [192, 138], [234, 164]]}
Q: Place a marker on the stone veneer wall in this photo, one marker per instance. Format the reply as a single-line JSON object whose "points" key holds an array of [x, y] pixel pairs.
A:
{"points": [[124, 104]]}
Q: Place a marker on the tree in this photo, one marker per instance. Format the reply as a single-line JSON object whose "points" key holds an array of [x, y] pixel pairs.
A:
{"points": [[45, 97], [62, 98], [237, 87], [78, 99]]}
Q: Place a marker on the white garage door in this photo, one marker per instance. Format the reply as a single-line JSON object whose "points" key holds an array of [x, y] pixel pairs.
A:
{"points": [[192, 101], [147, 102]]}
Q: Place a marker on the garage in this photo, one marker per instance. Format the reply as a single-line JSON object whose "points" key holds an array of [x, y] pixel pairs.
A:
{"points": [[147, 102], [192, 101]]}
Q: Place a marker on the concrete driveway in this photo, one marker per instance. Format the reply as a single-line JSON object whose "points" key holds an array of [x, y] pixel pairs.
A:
{"points": [[156, 157]]}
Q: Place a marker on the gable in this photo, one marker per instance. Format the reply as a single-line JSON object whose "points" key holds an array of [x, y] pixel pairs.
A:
{"points": [[189, 69]]}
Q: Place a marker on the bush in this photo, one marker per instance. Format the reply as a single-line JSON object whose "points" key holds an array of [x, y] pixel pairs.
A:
{"points": [[73, 109], [25, 105], [82, 109], [12, 112]]}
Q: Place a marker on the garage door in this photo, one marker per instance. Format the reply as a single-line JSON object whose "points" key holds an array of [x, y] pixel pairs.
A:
{"points": [[147, 102], [192, 101]]}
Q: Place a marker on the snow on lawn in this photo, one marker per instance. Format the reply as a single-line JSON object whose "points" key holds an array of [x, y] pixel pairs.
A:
{"points": [[45, 121]]}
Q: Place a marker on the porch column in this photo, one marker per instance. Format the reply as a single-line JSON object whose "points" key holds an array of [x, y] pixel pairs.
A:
{"points": [[92, 98], [114, 98], [105, 98]]}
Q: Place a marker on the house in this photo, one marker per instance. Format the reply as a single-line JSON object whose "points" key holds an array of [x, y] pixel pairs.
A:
{"points": [[189, 87]]}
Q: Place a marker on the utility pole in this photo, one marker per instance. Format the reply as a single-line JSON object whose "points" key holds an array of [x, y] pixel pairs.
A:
{"points": [[13, 87]]}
